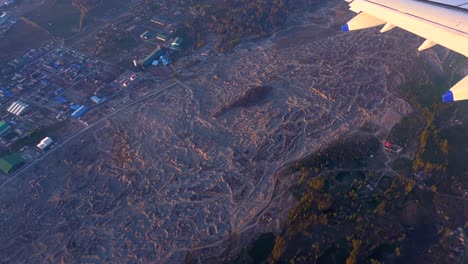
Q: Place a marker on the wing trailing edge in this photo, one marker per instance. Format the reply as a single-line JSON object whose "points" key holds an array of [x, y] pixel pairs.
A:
{"points": [[445, 25]]}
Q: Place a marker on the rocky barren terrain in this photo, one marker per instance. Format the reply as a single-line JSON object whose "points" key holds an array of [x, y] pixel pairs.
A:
{"points": [[196, 166]]}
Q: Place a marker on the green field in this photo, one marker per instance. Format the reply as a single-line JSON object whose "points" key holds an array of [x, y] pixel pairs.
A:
{"points": [[31, 141], [404, 133], [19, 40], [59, 17], [62, 19], [458, 143]]}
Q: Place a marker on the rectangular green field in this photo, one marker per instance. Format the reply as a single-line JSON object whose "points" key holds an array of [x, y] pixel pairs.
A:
{"points": [[20, 39], [62, 19]]}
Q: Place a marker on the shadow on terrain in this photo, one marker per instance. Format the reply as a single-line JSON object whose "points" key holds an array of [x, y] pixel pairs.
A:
{"points": [[252, 97]]}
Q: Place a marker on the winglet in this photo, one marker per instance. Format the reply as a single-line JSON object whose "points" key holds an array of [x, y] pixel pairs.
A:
{"points": [[345, 28], [447, 97], [458, 92]]}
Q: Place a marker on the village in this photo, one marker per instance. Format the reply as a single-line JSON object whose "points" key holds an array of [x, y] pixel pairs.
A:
{"points": [[53, 84]]}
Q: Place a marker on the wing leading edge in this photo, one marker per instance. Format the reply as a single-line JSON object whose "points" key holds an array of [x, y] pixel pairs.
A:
{"points": [[438, 24]]}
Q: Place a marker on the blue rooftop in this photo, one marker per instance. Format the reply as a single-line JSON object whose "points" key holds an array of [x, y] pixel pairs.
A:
{"points": [[61, 99], [80, 111]]}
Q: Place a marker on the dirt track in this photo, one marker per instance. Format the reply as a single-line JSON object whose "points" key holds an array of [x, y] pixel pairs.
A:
{"points": [[164, 176]]}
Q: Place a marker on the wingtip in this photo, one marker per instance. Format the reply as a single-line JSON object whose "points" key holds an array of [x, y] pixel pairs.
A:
{"points": [[447, 97], [345, 28]]}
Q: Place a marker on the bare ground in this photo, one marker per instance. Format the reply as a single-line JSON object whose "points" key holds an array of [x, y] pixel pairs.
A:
{"points": [[165, 177]]}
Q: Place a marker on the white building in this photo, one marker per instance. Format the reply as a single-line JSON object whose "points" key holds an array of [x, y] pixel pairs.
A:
{"points": [[6, 2], [17, 108], [45, 143]]}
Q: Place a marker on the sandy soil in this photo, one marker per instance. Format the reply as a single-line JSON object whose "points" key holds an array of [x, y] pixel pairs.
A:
{"points": [[166, 177]]}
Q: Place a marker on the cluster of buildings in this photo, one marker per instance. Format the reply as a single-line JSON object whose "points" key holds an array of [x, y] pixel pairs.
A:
{"points": [[30, 56], [158, 56], [392, 147], [159, 29], [41, 79], [457, 245], [153, 58], [6, 21], [47, 84], [4, 17], [12, 162], [125, 80], [6, 2], [51, 84]]}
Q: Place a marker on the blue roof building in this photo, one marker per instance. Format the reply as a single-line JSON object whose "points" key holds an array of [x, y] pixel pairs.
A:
{"points": [[151, 57], [164, 60], [80, 112], [4, 17], [44, 82], [61, 99], [7, 93], [59, 90], [96, 99], [75, 107]]}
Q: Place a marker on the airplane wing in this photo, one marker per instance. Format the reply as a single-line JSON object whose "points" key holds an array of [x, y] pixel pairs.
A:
{"points": [[442, 22]]}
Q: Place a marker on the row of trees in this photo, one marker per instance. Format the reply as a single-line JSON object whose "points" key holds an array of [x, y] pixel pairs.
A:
{"points": [[359, 222], [432, 151], [85, 6], [236, 19], [249, 18], [338, 216]]}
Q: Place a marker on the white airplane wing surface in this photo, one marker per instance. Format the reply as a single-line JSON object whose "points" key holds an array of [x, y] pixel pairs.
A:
{"points": [[442, 22]]}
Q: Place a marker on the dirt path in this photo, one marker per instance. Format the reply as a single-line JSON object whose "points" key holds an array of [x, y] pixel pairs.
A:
{"points": [[32, 23]]}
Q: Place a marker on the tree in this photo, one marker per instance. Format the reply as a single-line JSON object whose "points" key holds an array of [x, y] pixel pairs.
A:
{"points": [[352, 259], [85, 6], [280, 246]]}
